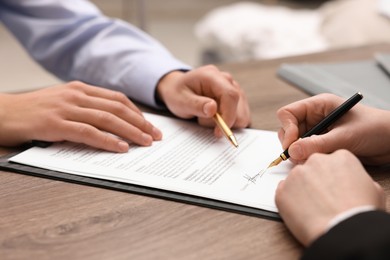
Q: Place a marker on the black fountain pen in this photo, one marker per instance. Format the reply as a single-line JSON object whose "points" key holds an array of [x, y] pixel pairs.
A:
{"points": [[325, 123]]}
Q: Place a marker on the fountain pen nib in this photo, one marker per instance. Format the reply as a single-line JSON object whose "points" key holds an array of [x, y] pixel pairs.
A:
{"points": [[275, 162]]}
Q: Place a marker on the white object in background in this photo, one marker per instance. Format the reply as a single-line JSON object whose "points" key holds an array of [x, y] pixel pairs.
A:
{"points": [[248, 30], [384, 7]]}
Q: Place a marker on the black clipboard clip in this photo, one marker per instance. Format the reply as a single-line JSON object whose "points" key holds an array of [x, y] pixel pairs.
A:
{"points": [[42, 144]]}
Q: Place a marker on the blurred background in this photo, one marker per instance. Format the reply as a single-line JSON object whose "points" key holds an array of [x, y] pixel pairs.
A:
{"points": [[216, 31]]}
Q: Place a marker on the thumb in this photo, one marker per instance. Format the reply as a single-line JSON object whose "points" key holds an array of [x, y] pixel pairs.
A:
{"points": [[195, 105], [303, 148]]}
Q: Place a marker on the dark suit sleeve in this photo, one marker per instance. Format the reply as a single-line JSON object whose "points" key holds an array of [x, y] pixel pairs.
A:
{"points": [[363, 236]]}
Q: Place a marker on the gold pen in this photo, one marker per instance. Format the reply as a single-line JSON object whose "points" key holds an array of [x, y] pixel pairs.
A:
{"points": [[225, 129]]}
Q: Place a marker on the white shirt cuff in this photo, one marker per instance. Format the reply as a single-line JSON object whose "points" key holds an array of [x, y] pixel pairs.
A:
{"points": [[347, 214]]}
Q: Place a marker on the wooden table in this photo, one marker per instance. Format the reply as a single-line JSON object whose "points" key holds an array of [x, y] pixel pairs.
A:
{"points": [[46, 219]]}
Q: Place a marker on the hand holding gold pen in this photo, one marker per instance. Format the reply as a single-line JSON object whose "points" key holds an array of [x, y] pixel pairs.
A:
{"points": [[225, 129]]}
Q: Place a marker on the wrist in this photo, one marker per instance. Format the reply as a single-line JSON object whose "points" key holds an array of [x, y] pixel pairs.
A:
{"points": [[347, 214], [165, 86], [323, 225]]}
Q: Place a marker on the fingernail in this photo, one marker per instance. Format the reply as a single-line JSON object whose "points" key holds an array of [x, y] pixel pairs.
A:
{"points": [[123, 146], [146, 139], [206, 108], [156, 133]]}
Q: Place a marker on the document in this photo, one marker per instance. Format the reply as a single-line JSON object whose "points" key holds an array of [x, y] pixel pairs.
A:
{"points": [[189, 160]]}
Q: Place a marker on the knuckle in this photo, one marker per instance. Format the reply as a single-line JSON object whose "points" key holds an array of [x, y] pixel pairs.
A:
{"points": [[316, 160], [76, 84], [237, 86], [208, 72], [54, 119], [118, 108], [72, 92], [296, 172], [84, 130], [344, 154], [146, 125], [316, 157], [233, 94], [106, 140], [281, 133], [71, 95], [210, 67], [116, 95], [103, 116], [228, 75], [280, 112]]}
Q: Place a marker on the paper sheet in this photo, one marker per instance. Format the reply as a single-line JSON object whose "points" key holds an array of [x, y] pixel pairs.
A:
{"points": [[188, 160]]}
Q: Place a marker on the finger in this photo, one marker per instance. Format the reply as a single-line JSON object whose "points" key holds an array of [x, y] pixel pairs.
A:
{"points": [[194, 105], [228, 76], [300, 116], [243, 118], [105, 94], [281, 134], [110, 123], [310, 110], [89, 135], [122, 111], [227, 97], [335, 139], [228, 105], [223, 89], [289, 132]]}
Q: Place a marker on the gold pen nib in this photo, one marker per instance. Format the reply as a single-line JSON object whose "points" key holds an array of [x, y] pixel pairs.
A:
{"points": [[225, 130], [282, 157], [275, 162], [233, 140]]}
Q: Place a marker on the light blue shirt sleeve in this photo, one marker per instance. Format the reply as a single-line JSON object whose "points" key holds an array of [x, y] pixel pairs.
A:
{"points": [[75, 41]]}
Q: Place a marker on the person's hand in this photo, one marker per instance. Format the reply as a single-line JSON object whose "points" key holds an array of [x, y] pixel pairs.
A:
{"points": [[365, 131], [323, 187], [202, 93], [74, 112]]}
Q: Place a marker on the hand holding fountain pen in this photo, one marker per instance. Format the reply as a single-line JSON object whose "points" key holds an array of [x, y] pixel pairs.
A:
{"points": [[325, 123]]}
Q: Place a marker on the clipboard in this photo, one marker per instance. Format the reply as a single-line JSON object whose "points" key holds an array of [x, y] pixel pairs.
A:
{"points": [[136, 189], [343, 79], [383, 60]]}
